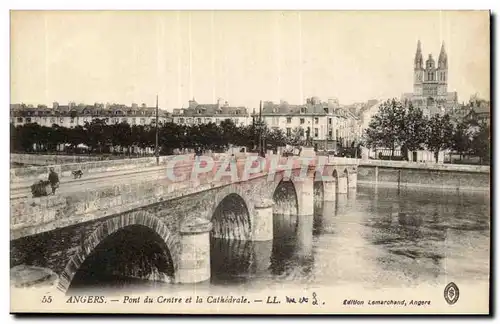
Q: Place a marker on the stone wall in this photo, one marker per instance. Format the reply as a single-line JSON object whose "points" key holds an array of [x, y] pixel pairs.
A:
{"points": [[432, 175], [34, 173], [35, 215], [425, 165], [50, 159]]}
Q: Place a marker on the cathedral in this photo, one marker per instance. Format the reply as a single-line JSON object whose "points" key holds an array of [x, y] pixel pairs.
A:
{"points": [[430, 84]]}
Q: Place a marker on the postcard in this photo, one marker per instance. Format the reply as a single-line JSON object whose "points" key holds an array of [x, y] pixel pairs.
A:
{"points": [[250, 162]]}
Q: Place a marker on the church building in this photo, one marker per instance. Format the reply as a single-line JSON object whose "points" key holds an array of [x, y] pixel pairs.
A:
{"points": [[430, 84]]}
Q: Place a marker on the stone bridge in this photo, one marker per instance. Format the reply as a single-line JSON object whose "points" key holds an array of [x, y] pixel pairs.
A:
{"points": [[162, 228]]}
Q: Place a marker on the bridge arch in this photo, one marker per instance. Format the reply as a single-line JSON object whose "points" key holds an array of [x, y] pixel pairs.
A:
{"points": [[285, 198], [142, 227], [231, 214], [335, 175], [338, 173]]}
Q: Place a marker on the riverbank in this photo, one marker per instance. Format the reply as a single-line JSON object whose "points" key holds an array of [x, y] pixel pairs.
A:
{"points": [[423, 175]]}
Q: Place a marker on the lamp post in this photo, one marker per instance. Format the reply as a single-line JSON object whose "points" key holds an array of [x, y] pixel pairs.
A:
{"points": [[261, 149], [157, 153]]}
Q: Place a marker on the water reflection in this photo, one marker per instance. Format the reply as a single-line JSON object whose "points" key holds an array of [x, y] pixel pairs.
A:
{"points": [[341, 206], [292, 255], [324, 219], [230, 260], [412, 232]]}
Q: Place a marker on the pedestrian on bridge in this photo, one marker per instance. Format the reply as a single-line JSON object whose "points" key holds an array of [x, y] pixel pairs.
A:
{"points": [[54, 180]]}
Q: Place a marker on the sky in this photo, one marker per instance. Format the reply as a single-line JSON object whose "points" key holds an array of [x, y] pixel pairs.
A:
{"points": [[240, 56]]}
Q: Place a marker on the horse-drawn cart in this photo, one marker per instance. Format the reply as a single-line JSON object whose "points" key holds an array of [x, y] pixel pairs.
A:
{"points": [[41, 188]]}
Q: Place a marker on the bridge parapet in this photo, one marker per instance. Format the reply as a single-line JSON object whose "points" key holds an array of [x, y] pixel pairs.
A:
{"points": [[33, 173]]}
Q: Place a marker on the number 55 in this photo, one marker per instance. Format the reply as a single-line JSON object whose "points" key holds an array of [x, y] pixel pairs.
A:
{"points": [[46, 299]]}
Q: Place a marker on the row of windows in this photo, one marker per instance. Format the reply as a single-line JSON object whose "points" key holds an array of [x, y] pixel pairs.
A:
{"points": [[54, 120], [301, 120], [200, 120], [430, 92], [303, 110], [97, 112], [316, 132], [217, 112], [431, 76]]}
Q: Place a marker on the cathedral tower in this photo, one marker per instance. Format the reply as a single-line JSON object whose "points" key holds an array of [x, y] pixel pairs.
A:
{"points": [[430, 84], [442, 72], [430, 81], [418, 71]]}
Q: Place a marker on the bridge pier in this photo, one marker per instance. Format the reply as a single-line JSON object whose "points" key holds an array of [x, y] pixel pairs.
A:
{"points": [[342, 185], [262, 227], [305, 196], [194, 260], [353, 180], [329, 190]]}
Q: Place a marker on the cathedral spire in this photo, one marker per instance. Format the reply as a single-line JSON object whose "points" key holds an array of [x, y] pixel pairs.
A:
{"points": [[443, 58], [418, 56], [442, 49]]}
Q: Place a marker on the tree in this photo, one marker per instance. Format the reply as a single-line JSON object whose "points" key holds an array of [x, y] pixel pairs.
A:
{"points": [[29, 134], [386, 127], [13, 138], [462, 138], [440, 132], [249, 136], [413, 130], [275, 138], [76, 136], [481, 143], [122, 135], [297, 137], [97, 134], [55, 137], [169, 137], [229, 132], [210, 137]]}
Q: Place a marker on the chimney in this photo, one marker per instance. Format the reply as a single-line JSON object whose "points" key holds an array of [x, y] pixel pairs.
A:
{"points": [[333, 103], [219, 102]]}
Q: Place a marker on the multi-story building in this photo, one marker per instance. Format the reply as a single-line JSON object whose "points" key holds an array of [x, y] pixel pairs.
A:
{"points": [[197, 114], [475, 110], [327, 124], [72, 115], [430, 84], [480, 110]]}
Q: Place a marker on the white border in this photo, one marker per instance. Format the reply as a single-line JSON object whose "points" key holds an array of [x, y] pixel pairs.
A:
{"points": [[185, 4], [255, 4]]}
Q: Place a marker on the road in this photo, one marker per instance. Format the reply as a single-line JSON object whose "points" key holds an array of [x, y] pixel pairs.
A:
{"points": [[94, 181], [68, 185]]}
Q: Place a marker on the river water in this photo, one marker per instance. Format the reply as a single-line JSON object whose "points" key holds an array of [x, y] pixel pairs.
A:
{"points": [[375, 237]]}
